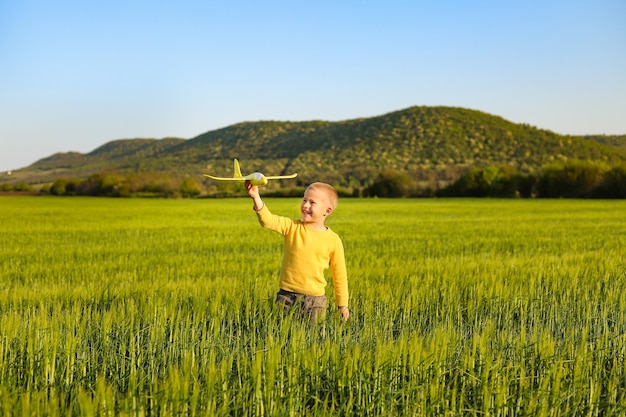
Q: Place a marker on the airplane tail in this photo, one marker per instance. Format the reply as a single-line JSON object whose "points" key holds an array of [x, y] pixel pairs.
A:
{"points": [[236, 170]]}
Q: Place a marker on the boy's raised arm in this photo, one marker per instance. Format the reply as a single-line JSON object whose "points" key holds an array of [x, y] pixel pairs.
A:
{"points": [[253, 192]]}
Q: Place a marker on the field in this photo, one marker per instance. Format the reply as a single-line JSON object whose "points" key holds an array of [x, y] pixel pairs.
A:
{"points": [[459, 307]]}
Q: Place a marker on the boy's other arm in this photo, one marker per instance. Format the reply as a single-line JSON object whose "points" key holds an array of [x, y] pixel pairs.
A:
{"points": [[340, 279], [345, 312]]}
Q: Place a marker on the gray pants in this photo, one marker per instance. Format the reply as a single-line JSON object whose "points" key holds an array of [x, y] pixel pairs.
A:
{"points": [[309, 305]]}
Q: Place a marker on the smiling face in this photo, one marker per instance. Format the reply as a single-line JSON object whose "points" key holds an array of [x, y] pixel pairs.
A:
{"points": [[315, 207]]}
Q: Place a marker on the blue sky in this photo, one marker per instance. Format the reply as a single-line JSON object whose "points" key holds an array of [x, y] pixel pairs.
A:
{"points": [[77, 74]]}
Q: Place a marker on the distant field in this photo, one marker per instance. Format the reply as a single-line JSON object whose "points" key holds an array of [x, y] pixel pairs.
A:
{"points": [[165, 307]]}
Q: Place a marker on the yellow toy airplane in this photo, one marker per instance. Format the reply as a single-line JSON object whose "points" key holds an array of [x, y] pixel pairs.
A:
{"points": [[256, 178]]}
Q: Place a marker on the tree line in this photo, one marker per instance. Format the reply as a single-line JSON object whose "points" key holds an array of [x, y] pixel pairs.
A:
{"points": [[570, 179], [119, 185]]}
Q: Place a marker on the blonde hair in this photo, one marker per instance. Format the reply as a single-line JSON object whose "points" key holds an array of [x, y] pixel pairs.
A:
{"points": [[331, 193]]}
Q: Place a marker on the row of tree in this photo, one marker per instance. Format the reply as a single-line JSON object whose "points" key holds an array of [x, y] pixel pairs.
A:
{"points": [[118, 185], [571, 179]]}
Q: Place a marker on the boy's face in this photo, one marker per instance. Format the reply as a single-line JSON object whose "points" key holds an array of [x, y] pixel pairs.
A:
{"points": [[315, 206]]}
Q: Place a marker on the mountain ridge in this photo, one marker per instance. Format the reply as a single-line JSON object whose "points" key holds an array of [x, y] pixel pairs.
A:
{"points": [[428, 143]]}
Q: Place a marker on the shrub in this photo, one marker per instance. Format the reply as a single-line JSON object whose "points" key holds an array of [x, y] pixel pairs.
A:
{"points": [[64, 186], [390, 183], [493, 181], [189, 188], [573, 179], [613, 183]]}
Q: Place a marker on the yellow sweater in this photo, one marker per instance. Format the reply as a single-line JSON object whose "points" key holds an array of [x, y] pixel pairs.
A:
{"points": [[307, 252]]}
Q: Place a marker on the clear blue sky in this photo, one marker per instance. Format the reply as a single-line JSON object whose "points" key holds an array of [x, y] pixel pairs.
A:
{"points": [[77, 74]]}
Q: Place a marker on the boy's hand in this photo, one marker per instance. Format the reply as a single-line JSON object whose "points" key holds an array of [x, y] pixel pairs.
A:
{"points": [[345, 312], [253, 192]]}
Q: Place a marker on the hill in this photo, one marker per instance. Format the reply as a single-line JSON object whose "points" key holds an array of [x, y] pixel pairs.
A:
{"points": [[618, 141], [431, 144]]}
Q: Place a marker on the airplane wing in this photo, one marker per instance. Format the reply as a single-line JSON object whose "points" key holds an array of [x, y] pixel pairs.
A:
{"points": [[281, 177], [225, 179]]}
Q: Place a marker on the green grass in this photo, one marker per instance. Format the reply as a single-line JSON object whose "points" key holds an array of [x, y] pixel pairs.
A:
{"points": [[459, 307]]}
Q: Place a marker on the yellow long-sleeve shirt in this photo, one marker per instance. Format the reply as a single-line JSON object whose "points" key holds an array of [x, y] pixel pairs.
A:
{"points": [[307, 252]]}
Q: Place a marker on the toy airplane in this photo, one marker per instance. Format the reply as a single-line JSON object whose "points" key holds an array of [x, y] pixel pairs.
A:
{"points": [[256, 178]]}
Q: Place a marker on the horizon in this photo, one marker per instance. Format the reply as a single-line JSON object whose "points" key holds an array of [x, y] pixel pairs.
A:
{"points": [[78, 76]]}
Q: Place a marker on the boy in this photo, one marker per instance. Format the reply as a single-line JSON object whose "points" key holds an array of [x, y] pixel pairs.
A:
{"points": [[309, 248]]}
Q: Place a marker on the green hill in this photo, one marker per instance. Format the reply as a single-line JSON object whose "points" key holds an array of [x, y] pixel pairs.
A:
{"points": [[618, 141], [434, 145]]}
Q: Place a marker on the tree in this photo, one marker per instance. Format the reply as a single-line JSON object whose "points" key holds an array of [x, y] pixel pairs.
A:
{"points": [[573, 179], [613, 183], [492, 181], [59, 187], [390, 183], [189, 187], [22, 186]]}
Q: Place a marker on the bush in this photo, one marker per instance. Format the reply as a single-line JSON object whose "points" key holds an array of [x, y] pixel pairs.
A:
{"points": [[573, 179], [102, 185], [189, 188], [64, 186], [613, 183], [390, 183], [500, 181], [20, 186]]}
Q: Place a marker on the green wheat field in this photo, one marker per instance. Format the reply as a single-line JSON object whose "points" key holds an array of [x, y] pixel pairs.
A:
{"points": [[146, 307]]}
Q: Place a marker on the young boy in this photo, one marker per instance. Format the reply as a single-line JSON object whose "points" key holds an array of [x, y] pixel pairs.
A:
{"points": [[310, 247]]}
